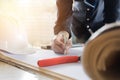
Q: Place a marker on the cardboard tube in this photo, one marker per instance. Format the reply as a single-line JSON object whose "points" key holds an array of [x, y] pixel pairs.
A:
{"points": [[101, 57]]}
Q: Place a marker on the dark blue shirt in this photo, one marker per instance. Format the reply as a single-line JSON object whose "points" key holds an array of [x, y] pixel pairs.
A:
{"points": [[86, 16]]}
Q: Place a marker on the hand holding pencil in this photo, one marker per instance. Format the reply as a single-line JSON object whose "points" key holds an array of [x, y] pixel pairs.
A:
{"points": [[61, 43]]}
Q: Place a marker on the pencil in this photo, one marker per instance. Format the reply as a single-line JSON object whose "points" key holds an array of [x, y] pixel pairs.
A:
{"points": [[65, 36], [65, 42]]}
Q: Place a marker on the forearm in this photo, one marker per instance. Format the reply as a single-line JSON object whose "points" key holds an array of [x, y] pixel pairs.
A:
{"points": [[63, 15]]}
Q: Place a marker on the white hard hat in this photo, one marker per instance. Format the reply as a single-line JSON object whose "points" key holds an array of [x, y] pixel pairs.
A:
{"points": [[11, 38]]}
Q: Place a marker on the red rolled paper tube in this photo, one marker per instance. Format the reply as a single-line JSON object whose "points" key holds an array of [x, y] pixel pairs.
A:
{"points": [[58, 60]]}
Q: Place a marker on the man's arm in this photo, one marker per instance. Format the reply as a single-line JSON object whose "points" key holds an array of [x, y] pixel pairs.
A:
{"points": [[63, 15]]}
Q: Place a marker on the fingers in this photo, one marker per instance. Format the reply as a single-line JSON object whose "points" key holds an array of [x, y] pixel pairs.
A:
{"points": [[59, 47], [59, 41], [59, 44], [68, 45]]}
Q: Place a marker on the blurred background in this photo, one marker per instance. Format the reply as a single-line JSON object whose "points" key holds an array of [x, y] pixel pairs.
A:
{"points": [[34, 18]]}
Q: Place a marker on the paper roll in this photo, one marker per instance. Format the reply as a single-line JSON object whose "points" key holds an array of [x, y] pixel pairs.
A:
{"points": [[101, 57]]}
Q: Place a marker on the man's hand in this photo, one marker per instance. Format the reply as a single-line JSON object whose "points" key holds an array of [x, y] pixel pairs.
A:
{"points": [[61, 43]]}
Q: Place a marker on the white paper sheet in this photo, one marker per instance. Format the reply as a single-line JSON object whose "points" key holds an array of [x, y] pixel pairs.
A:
{"points": [[73, 70]]}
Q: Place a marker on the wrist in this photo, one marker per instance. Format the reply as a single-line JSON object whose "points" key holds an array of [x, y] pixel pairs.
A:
{"points": [[65, 33]]}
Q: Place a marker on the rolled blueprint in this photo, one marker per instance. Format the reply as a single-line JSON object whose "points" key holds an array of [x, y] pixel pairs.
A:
{"points": [[101, 56]]}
